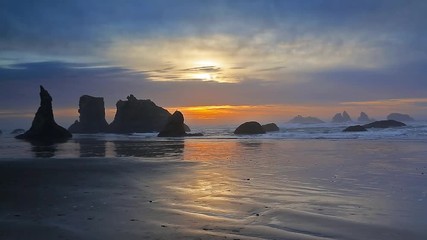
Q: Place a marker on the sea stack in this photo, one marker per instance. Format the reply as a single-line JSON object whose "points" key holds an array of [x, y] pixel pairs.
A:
{"points": [[249, 128], [341, 118], [364, 118], [92, 116], [400, 117], [174, 127], [44, 127], [138, 116]]}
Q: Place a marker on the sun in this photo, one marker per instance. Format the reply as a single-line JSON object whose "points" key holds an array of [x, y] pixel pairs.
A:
{"points": [[203, 76], [205, 70]]}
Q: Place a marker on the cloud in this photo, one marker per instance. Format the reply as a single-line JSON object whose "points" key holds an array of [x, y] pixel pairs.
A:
{"points": [[302, 36], [65, 81], [258, 57], [389, 102], [213, 52], [20, 81]]}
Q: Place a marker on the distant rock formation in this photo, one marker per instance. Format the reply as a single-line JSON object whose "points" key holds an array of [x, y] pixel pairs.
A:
{"points": [[249, 128], [92, 116], [174, 127], [270, 127], [356, 128], [140, 116], [341, 118], [337, 118], [400, 117], [17, 131], [346, 117], [364, 118], [305, 120], [44, 127], [384, 124]]}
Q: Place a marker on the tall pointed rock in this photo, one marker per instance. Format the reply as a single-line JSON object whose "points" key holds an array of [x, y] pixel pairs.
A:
{"points": [[44, 127]]}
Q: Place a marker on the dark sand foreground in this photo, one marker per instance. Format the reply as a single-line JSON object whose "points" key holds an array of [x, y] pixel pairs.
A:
{"points": [[239, 189]]}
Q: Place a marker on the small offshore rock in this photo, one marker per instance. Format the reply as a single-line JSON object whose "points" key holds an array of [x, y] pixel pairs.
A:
{"points": [[384, 124], [270, 127], [356, 128], [17, 131], [250, 128]]}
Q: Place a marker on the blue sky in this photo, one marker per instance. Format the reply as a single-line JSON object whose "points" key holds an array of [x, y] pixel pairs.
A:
{"points": [[326, 54]]}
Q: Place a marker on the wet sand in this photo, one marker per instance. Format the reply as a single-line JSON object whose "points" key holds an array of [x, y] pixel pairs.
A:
{"points": [[210, 189]]}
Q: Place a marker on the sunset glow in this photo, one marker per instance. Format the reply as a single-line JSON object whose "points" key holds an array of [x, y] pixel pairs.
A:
{"points": [[213, 119], [227, 61], [223, 114]]}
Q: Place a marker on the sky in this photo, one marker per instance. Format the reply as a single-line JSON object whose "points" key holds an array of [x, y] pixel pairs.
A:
{"points": [[217, 61]]}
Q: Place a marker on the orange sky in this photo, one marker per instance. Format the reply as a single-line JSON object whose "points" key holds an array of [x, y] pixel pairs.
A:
{"points": [[236, 114], [226, 114]]}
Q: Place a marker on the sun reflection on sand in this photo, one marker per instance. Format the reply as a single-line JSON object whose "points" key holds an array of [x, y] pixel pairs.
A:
{"points": [[233, 188], [256, 181], [211, 191]]}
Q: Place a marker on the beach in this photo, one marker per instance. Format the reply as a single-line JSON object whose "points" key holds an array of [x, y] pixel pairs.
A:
{"points": [[127, 188], [221, 119]]}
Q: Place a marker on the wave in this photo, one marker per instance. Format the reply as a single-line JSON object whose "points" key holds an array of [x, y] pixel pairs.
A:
{"points": [[414, 131]]}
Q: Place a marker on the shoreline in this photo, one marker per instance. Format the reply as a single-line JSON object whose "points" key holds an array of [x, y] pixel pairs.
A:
{"points": [[220, 190]]}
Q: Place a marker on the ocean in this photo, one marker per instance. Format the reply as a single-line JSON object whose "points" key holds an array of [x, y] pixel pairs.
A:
{"points": [[304, 182]]}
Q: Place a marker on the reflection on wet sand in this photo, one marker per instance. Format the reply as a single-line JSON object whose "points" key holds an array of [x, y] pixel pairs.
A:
{"points": [[216, 189], [256, 188], [43, 151], [92, 148], [149, 149], [208, 150]]}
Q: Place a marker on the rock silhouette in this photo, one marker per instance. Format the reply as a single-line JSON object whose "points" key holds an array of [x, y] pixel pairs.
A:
{"points": [[305, 120], [187, 128], [340, 118], [18, 131], [400, 117], [249, 128], [136, 115], [384, 124], [364, 118], [174, 127], [270, 127], [92, 116], [356, 128], [44, 127], [1, 132]]}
